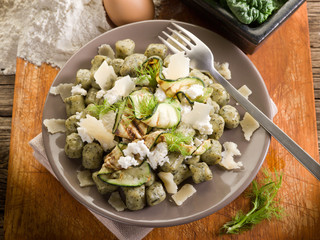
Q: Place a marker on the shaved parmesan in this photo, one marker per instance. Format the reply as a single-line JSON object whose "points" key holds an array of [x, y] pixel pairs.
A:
{"points": [[105, 76], [124, 86], [116, 202], [63, 89], [245, 91], [178, 66], [199, 118], [183, 194], [227, 161], [167, 179], [248, 125], [90, 128], [108, 120], [85, 178], [55, 125]]}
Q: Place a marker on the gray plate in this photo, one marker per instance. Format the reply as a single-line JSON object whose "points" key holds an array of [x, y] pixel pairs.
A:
{"points": [[210, 196]]}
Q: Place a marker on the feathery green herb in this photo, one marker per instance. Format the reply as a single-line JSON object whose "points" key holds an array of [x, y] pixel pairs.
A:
{"points": [[99, 110], [264, 205], [146, 105], [177, 142], [147, 74]]}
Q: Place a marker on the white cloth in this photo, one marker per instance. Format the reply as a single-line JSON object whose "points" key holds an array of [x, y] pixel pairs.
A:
{"points": [[120, 230]]}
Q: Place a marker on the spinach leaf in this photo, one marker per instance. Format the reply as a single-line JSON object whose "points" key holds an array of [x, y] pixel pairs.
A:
{"points": [[252, 11]]}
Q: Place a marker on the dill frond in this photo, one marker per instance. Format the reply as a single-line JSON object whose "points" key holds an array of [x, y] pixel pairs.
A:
{"points": [[99, 110], [145, 106], [177, 142], [264, 206], [148, 73]]}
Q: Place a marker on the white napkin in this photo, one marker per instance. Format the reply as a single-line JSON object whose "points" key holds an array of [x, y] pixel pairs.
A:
{"points": [[120, 230]]}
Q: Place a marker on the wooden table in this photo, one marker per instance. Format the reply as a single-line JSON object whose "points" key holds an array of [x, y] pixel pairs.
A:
{"points": [[38, 207]]}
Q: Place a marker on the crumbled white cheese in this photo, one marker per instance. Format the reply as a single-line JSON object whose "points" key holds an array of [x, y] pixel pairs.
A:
{"points": [[159, 155], [178, 66], [248, 125], [116, 202], [138, 147], [169, 184], [91, 128], [79, 115], [227, 161], [183, 194], [223, 69], [63, 89], [199, 118], [105, 76], [194, 91], [85, 178], [55, 125], [112, 97], [127, 161], [160, 95], [100, 93], [78, 90], [245, 91]]}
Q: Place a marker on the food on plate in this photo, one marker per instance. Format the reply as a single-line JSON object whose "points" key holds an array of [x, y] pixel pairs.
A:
{"points": [[185, 192], [143, 125], [248, 125], [55, 125]]}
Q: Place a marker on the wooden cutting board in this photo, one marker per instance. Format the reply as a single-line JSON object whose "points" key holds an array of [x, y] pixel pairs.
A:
{"points": [[38, 207]]}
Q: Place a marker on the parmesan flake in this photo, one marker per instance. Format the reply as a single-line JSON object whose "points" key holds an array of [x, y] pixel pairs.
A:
{"points": [[183, 194]]}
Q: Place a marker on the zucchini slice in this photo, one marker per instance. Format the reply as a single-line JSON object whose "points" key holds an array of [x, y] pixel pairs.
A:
{"points": [[204, 146], [111, 160], [131, 177], [143, 103], [119, 113], [171, 87], [165, 115]]}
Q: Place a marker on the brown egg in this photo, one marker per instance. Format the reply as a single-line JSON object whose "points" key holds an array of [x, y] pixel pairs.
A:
{"points": [[127, 11]]}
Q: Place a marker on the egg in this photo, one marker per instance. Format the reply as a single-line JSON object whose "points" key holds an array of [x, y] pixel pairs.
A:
{"points": [[127, 11]]}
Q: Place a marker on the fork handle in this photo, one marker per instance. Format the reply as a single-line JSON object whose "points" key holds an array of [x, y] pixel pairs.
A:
{"points": [[304, 158]]}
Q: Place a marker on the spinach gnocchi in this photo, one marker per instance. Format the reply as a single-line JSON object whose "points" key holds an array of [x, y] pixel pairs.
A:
{"points": [[141, 132]]}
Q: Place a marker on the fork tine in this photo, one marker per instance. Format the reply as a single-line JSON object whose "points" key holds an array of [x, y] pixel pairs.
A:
{"points": [[181, 36], [169, 45], [186, 32], [176, 41]]}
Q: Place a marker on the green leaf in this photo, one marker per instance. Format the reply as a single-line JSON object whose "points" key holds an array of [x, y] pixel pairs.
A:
{"points": [[264, 206]]}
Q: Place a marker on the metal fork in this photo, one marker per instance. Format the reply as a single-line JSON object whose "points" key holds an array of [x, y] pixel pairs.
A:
{"points": [[201, 58]]}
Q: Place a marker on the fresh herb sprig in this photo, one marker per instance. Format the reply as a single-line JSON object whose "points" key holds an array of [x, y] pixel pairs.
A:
{"points": [[147, 74], [99, 110], [178, 142], [264, 205], [146, 104]]}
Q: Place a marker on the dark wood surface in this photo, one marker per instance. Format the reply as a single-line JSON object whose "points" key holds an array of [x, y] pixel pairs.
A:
{"points": [[6, 103]]}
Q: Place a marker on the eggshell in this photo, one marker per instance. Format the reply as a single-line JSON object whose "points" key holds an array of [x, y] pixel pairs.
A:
{"points": [[127, 11]]}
